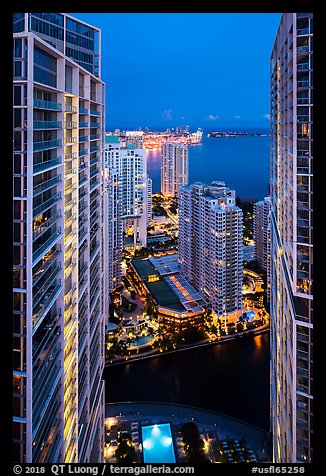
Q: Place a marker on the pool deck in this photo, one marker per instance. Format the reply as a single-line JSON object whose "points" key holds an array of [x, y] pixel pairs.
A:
{"points": [[222, 426]]}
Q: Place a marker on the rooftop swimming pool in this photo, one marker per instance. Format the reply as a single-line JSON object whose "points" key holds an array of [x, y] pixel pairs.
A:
{"points": [[158, 444]]}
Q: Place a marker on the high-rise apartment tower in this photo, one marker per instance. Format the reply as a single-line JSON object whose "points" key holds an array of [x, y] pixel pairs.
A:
{"points": [[130, 163], [291, 276], [210, 245], [262, 232], [58, 319], [174, 169]]}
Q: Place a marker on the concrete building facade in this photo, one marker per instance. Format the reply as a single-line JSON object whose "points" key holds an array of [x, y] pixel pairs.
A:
{"points": [[291, 272], [210, 245], [58, 118], [262, 232], [174, 169], [131, 166]]}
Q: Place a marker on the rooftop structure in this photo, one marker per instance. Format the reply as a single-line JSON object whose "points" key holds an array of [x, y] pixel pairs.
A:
{"points": [[176, 299]]}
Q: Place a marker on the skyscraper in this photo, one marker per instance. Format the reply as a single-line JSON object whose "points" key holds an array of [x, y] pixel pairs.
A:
{"points": [[174, 170], [131, 166], [58, 317], [262, 232], [114, 229], [149, 200], [210, 245], [291, 239]]}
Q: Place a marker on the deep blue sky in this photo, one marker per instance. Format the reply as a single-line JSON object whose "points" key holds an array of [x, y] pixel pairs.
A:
{"points": [[205, 70]]}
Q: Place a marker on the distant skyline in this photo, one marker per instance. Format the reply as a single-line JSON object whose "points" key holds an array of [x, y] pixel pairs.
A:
{"points": [[207, 70]]}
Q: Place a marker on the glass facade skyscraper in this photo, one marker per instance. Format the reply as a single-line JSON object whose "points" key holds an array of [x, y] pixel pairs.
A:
{"points": [[292, 239], [58, 123]]}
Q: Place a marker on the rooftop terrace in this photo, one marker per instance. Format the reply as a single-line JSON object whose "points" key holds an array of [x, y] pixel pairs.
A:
{"points": [[168, 288]]}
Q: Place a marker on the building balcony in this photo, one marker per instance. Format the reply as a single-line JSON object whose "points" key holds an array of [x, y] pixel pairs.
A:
{"points": [[70, 220], [94, 112], [303, 118], [48, 105], [40, 288], [303, 66], [303, 31], [70, 189], [303, 153], [69, 204], [44, 226], [82, 235], [49, 297], [303, 100], [83, 138], [69, 157], [44, 247], [94, 172], [70, 108], [46, 205], [94, 160], [303, 170], [304, 49], [94, 148], [94, 184], [95, 136], [83, 125], [69, 236], [48, 144], [82, 180], [47, 124], [68, 269], [82, 193], [83, 152], [70, 125], [42, 187], [71, 140], [95, 124], [82, 110], [46, 165], [69, 173], [303, 84]]}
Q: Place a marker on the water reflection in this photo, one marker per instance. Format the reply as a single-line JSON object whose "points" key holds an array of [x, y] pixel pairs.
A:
{"points": [[258, 342], [231, 378]]}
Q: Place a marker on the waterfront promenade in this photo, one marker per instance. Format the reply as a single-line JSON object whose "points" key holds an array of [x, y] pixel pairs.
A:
{"points": [[183, 347]]}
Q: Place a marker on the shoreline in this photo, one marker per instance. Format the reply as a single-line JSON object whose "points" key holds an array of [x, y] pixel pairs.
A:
{"points": [[155, 353]]}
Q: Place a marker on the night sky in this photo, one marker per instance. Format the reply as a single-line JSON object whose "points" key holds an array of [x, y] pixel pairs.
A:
{"points": [[205, 70]]}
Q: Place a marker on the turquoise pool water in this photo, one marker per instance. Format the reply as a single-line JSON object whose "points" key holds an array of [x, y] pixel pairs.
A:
{"points": [[158, 444], [141, 340]]}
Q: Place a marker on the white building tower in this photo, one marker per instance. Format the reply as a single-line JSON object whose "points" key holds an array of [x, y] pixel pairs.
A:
{"points": [[131, 166], [291, 275], [262, 232], [210, 245], [174, 169], [58, 254]]}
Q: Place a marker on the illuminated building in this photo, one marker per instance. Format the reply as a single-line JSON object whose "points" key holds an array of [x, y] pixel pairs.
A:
{"points": [[58, 305], [291, 239], [134, 138], [210, 245], [174, 169], [131, 166], [176, 301], [149, 201], [261, 232], [113, 228]]}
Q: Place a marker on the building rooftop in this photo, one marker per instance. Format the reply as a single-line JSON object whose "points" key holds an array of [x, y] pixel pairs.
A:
{"points": [[168, 288], [112, 139], [166, 264]]}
